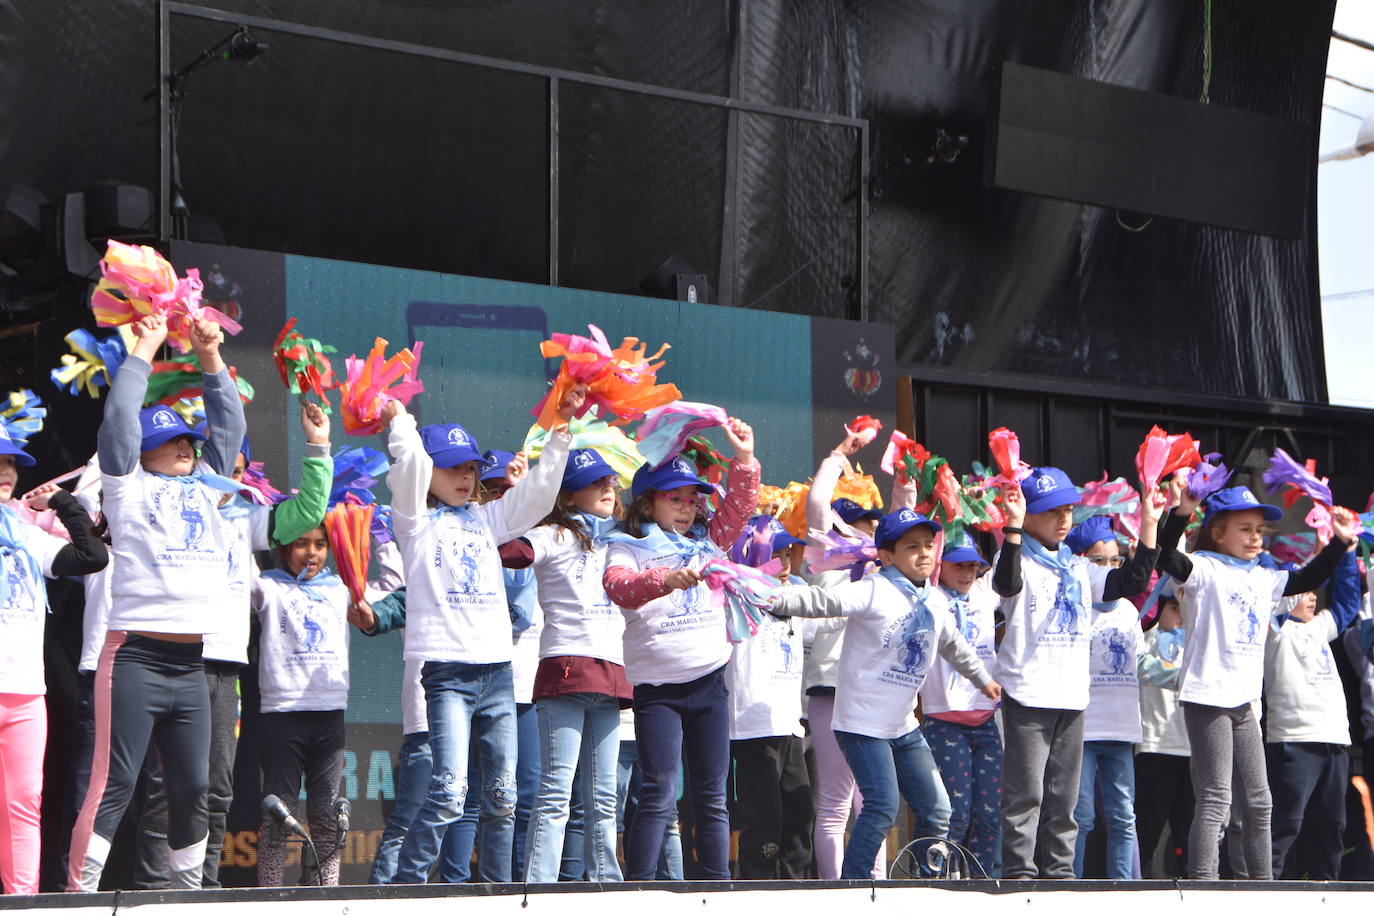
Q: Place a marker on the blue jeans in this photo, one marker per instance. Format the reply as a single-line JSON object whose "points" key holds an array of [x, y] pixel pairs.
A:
{"points": [[882, 767], [1113, 762], [970, 762], [466, 704], [627, 783], [577, 733], [671, 718]]}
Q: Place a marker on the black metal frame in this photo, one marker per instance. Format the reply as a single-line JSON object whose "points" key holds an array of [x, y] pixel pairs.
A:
{"points": [[553, 77]]}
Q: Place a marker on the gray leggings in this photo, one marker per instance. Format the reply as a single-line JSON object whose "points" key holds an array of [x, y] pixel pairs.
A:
{"points": [[1227, 742]]}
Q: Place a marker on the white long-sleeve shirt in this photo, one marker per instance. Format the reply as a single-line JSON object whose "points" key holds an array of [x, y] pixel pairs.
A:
{"points": [[455, 592]]}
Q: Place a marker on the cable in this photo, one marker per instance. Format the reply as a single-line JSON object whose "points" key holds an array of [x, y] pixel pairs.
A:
{"points": [[1206, 53]]}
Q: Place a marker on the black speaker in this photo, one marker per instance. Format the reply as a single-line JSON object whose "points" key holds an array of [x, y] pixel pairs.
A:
{"points": [[1075, 139]]}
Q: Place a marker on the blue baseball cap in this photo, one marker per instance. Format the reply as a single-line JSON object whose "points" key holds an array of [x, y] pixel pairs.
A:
{"points": [[449, 445], [963, 550], [780, 537], [895, 524], [7, 447], [677, 473], [160, 424], [585, 467], [1234, 499], [1048, 488], [1089, 532], [850, 511], [494, 464]]}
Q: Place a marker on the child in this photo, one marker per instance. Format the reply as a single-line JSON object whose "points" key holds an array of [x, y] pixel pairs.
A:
{"points": [[764, 679], [303, 679], [1306, 729], [676, 650], [1043, 665], [834, 791], [1227, 599], [171, 555], [457, 620], [960, 722], [1164, 790], [1111, 724], [580, 682], [27, 554], [896, 625]]}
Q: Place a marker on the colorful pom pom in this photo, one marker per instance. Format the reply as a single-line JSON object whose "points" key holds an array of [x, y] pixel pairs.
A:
{"points": [[23, 414], [617, 449], [666, 430], [136, 281], [1160, 454], [303, 365], [92, 363], [621, 382], [373, 381], [349, 527], [865, 427]]}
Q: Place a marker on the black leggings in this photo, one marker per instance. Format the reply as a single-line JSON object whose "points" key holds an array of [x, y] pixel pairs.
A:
{"points": [[292, 744], [146, 691]]}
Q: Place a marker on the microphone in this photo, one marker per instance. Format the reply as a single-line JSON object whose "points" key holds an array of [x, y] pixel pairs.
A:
{"points": [[276, 809], [342, 809]]}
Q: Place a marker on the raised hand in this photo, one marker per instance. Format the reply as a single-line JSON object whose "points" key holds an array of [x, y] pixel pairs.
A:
{"points": [[515, 471], [390, 411], [741, 436], [1014, 505], [1343, 524], [151, 331], [1187, 503], [38, 497], [572, 402], [850, 444], [315, 422], [361, 616], [205, 341]]}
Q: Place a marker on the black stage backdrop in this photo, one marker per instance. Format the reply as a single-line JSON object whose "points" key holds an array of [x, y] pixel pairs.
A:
{"points": [[372, 156]]}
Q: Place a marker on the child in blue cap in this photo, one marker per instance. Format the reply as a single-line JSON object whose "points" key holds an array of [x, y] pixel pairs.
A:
{"points": [[27, 555], [457, 619], [896, 623], [676, 648], [774, 809], [1228, 597], [1043, 664], [171, 555], [1111, 723], [580, 682], [960, 719]]}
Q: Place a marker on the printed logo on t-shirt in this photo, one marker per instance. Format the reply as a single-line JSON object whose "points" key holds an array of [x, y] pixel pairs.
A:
{"points": [[20, 589], [587, 568], [302, 624], [1064, 616], [1306, 646], [180, 514], [912, 647], [460, 562], [1244, 603], [1111, 649]]}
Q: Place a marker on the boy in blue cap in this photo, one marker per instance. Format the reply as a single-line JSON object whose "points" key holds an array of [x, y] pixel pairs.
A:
{"points": [[896, 623], [1043, 665], [1228, 597]]}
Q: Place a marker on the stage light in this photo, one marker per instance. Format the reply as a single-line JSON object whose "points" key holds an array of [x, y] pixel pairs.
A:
{"points": [[244, 48], [676, 279]]}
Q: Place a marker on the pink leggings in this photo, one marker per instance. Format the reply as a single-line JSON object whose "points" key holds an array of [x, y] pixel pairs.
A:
{"points": [[835, 794], [23, 735]]}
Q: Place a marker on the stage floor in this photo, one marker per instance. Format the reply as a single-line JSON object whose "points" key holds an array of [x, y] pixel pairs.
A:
{"points": [[735, 898]]}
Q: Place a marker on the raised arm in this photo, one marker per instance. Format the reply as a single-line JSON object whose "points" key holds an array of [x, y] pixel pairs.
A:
{"points": [[223, 407], [1345, 591], [410, 465], [1312, 576], [819, 516], [119, 438], [85, 554], [1006, 578], [305, 510], [1134, 577], [742, 487]]}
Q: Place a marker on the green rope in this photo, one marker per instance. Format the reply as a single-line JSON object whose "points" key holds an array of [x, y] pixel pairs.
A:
{"points": [[1206, 51]]}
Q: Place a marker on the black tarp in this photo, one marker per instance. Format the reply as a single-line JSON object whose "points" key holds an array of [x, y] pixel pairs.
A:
{"points": [[368, 155]]}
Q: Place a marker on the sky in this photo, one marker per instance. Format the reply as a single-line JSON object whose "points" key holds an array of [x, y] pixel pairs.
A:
{"points": [[1345, 196]]}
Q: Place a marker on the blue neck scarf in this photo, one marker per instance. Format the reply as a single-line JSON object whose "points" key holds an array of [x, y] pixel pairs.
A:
{"points": [[915, 594], [599, 528], [211, 480], [463, 512], [665, 542], [1229, 560], [236, 507], [12, 539], [312, 587], [959, 602], [1061, 561]]}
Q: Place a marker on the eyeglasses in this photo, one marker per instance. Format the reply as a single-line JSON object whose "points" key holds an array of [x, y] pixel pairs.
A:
{"points": [[1113, 562], [680, 502]]}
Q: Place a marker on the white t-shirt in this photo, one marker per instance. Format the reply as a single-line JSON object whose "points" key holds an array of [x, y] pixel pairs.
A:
{"points": [[23, 613], [414, 717], [303, 649], [95, 616], [246, 532], [885, 658], [1043, 659], [1362, 667], [946, 690], [1226, 610], [764, 678], [1114, 688], [171, 552], [456, 606], [578, 617], [823, 656], [1304, 699], [1162, 730], [525, 657], [674, 639]]}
